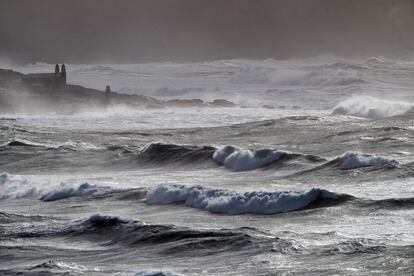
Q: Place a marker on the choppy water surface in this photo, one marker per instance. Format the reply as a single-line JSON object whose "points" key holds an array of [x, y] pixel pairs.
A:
{"points": [[321, 184]]}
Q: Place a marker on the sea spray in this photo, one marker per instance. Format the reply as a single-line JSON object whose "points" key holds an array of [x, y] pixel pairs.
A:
{"points": [[370, 107]]}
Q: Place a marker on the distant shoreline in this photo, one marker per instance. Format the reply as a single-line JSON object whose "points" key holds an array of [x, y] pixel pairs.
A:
{"points": [[16, 96]]}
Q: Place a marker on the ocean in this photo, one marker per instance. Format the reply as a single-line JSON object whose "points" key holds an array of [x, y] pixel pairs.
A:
{"points": [[311, 173]]}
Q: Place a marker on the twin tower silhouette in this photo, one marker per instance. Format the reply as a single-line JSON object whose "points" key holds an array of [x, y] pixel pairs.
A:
{"points": [[60, 71]]}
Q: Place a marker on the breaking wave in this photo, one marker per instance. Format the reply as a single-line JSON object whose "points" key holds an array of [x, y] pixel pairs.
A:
{"points": [[230, 202], [84, 189], [354, 160], [236, 159], [244, 160], [239, 159], [15, 187], [232, 158], [370, 107]]}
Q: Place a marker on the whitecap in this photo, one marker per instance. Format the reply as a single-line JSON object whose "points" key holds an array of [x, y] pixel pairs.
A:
{"points": [[353, 160], [15, 187], [370, 107], [244, 160], [231, 202]]}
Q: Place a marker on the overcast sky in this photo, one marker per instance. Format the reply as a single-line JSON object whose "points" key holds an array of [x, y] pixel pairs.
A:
{"points": [[192, 30]]}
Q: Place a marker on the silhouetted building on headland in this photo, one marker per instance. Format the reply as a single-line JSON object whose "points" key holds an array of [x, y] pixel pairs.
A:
{"points": [[46, 80]]}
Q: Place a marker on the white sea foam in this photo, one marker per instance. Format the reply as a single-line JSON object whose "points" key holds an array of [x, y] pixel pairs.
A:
{"points": [[236, 159], [15, 187], [230, 202], [370, 107], [353, 160]]}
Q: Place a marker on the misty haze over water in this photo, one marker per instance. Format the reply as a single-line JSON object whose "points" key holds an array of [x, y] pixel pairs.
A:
{"points": [[215, 137]]}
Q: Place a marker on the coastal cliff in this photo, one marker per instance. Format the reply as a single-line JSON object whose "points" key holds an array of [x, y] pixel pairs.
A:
{"points": [[16, 96]]}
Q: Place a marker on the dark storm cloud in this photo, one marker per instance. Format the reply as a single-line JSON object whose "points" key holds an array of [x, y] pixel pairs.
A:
{"points": [[156, 30]]}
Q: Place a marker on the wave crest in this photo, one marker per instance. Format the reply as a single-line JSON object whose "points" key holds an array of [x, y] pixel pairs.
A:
{"points": [[237, 159], [99, 220], [354, 160], [15, 187], [370, 107], [172, 153], [84, 189], [243, 160], [230, 202]]}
